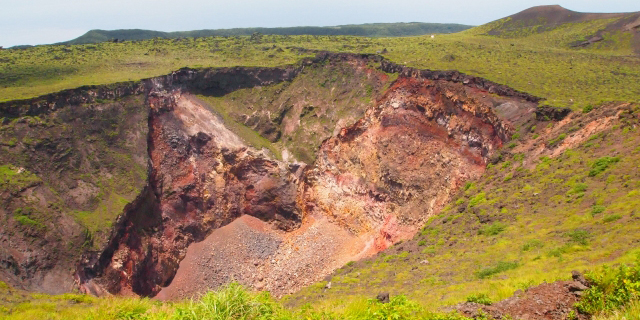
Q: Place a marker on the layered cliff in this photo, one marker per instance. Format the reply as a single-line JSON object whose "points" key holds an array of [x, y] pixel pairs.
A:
{"points": [[390, 150]]}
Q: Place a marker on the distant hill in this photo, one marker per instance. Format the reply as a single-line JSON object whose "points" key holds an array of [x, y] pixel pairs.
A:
{"points": [[365, 30], [597, 27]]}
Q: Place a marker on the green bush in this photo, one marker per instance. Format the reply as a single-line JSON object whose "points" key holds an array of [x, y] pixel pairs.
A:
{"points": [[579, 188], [557, 140], [399, 307], [611, 218], [231, 302], [478, 199], [492, 229], [597, 209], [532, 244], [611, 289], [602, 164], [480, 298], [28, 222], [579, 236], [502, 266]]}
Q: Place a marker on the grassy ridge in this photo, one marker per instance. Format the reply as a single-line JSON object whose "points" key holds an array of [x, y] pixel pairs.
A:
{"points": [[362, 30], [542, 64]]}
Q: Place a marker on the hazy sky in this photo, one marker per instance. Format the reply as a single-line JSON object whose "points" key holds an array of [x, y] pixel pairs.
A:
{"points": [[48, 21]]}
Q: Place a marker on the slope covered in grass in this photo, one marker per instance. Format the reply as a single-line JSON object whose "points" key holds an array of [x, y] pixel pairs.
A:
{"points": [[543, 64], [229, 303]]}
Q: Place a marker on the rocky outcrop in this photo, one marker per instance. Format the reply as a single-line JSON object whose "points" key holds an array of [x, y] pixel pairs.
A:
{"points": [[201, 178], [372, 184], [549, 301], [546, 113], [213, 81], [402, 162]]}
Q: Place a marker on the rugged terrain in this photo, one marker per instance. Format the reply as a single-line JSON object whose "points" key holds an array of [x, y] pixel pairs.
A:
{"points": [[359, 196], [202, 176], [329, 180]]}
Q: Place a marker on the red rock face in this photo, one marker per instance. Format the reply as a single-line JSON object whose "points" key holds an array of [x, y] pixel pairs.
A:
{"points": [[401, 163], [373, 184], [202, 178]]}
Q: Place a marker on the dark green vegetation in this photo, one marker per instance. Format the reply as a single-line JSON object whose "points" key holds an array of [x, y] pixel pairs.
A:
{"points": [[612, 289], [361, 30]]}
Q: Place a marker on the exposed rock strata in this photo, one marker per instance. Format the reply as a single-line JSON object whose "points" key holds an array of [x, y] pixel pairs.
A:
{"points": [[202, 177], [373, 183], [401, 163]]}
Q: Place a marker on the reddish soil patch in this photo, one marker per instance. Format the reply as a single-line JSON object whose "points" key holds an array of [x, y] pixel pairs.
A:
{"points": [[550, 301]]}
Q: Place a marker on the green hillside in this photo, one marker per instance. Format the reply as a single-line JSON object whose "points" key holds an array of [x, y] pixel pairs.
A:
{"points": [[362, 30], [541, 63]]}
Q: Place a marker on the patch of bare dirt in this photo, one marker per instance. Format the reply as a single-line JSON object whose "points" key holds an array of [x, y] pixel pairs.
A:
{"points": [[549, 301], [263, 257]]}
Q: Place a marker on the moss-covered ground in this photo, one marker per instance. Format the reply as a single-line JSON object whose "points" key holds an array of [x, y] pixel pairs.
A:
{"points": [[85, 162]]}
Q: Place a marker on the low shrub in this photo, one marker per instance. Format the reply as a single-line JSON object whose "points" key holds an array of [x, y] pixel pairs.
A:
{"points": [[532, 244], [601, 165], [480, 298], [492, 229], [502, 266], [611, 289], [611, 218], [478, 199], [579, 236], [557, 140], [597, 209]]}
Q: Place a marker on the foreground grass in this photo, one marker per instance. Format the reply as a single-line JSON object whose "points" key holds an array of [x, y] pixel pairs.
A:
{"points": [[630, 312], [613, 295], [230, 302]]}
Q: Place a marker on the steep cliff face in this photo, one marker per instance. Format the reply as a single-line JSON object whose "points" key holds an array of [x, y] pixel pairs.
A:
{"points": [[401, 163], [216, 208], [65, 175], [71, 161], [372, 184], [202, 177]]}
